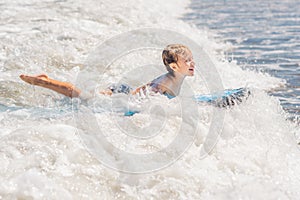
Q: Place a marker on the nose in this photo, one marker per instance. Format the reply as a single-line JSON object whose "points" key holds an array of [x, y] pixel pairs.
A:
{"points": [[193, 63]]}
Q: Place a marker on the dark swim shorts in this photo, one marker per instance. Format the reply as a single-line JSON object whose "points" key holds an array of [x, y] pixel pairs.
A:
{"points": [[120, 88]]}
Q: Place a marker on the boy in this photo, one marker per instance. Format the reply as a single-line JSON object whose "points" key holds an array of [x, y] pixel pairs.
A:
{"points": [[177, 58]]}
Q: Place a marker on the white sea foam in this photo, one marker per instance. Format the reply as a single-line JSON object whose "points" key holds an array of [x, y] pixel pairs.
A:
{"points": [[43, 157]]}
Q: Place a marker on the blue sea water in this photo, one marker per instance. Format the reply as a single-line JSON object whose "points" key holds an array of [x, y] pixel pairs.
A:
{"points": [[46, 147], [264, 35]]}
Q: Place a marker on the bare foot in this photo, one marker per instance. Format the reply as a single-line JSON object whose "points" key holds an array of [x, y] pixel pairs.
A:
{"points": [[35, 80]]}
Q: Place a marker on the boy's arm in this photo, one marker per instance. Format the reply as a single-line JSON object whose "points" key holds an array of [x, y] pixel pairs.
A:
{"points": [[43, 80], [141, 89]]}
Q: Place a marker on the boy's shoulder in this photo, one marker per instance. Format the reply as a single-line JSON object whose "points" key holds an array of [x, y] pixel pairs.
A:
{"points": [[159, 84], [159, 79]]}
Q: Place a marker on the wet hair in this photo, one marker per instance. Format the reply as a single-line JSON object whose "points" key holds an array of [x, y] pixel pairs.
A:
{"points": [[171, 52]]}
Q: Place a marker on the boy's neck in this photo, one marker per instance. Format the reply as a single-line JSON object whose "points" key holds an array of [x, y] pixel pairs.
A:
{"points": [[176, 77], [177, 80]]}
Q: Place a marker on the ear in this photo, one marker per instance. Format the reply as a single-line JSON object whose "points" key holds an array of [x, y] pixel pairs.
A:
{"points": [[174, 66]]}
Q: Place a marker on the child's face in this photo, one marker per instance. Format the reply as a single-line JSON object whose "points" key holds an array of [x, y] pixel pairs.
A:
{"points": [[186, 64]]}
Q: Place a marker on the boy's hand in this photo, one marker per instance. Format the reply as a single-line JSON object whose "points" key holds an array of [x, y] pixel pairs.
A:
{"points": [[139, 90], [106, 92]]}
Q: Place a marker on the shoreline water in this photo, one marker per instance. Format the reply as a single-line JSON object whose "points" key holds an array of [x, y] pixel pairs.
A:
{"points": [[43, 156]]}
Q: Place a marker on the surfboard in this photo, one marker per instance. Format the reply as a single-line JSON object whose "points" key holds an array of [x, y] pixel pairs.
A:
{"points": [[225, 98]]}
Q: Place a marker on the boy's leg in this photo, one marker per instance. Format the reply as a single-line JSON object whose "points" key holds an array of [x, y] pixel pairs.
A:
{"points": [[43, 80]]}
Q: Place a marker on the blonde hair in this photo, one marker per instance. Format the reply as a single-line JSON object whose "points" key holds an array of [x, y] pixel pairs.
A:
{"points": [[171, 52]]}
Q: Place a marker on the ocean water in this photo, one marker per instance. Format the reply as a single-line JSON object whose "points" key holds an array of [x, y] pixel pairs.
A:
{"points": [[264, 36], [53, 147]]}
